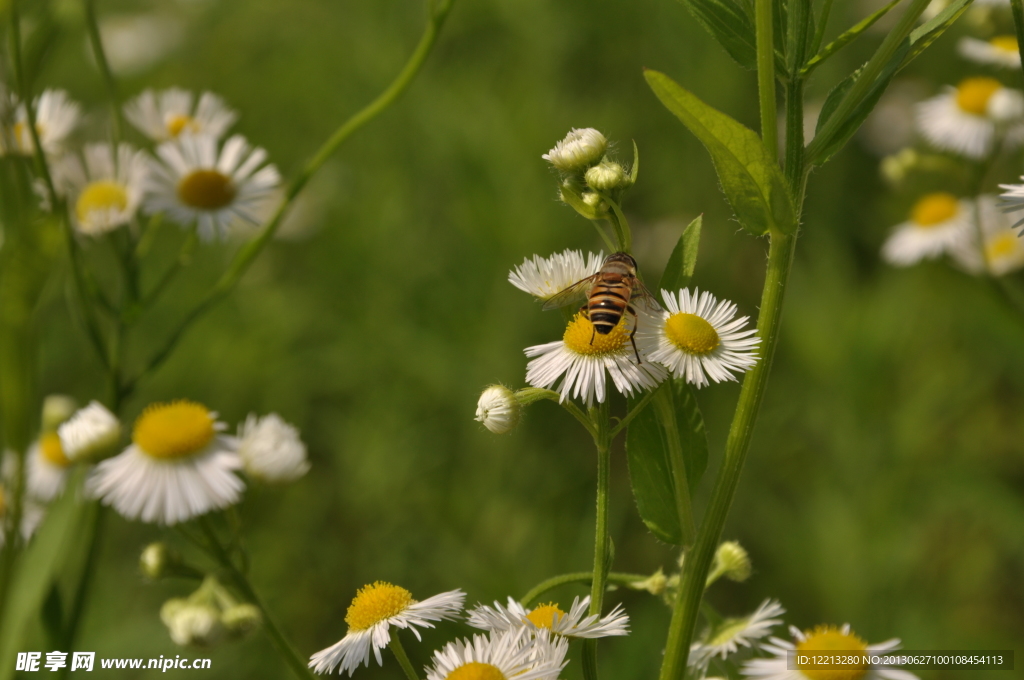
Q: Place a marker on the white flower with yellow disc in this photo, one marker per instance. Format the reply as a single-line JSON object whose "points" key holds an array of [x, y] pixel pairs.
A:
{"points": [[729, 635], [938, 223], [583, 357], [56, 117], [46, 468], [544, 277], [823, 640], [697, 337], [998, 51], [506, 655], [970, 118], [194, 182], [371, 614], [179, 466], [163, 116], [1001, 249], [572, 624], [104, 192]]}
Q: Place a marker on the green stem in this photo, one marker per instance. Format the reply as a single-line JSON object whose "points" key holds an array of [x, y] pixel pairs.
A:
{"points": [[250, 250], [633, 413], [84, 584], [1017, 10], [604, 236], [621, 225], [766, 75], [602, 549], [108, 76], [403, 659], [184, 256], [665, 407], [284, 647], [819, 33], [619, 578]]}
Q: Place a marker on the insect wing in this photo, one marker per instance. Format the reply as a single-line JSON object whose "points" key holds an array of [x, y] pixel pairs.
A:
{"points": [[573, 293], [645, 296]]}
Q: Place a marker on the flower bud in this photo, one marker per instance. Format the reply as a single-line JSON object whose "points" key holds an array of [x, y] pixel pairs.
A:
{"points": [[498, 409], [90, 434], [271, 449], [606, 176], [655, 584], [154, 560], [56, 409], [241, 619], [581, 148], [732, 561], [192, 623]]}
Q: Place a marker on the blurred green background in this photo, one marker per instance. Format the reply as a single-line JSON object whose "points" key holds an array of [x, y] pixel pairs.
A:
{"points": [[884, 487]]}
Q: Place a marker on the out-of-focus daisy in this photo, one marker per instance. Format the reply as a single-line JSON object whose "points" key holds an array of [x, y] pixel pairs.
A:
{"points": [[506, 655], [105, 191], [580, 148], [729, 635], [998, 51], [823, 639], [46, 468], [178, 466], [1012, 200], [697, 337], [938, 223], [133, 43], [89, 432], [373, 611], [969, 118], [56, 116], [583, 357], [1001, 250], [574, 623], [498, 409], [271, 449], [163, 116], [544, 277], [196, 183]]}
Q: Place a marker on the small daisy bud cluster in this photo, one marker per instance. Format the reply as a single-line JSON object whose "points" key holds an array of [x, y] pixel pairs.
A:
{"points": [[732, 562], [498, 409], [588, 175], [655, 584], [159, 560], [90, 434], [271, 449], [208, 616]]}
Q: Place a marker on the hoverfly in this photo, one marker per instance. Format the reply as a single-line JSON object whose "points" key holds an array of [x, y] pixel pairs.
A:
{"points": [[609, 294]]}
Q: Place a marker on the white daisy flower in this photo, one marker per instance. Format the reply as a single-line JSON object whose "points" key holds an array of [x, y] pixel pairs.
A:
{"points": [[178, 467], [1002, 250], [969, 118], [373, 611], [105, 192], [271, 449], [164, 116], [498, 409], [195, 183], [544, 277], [731, 634], [507, 655], [91, 431], [56, 116], [938, 223], [574, 624], [824, 639], [697, 337], [46, 468], [583, 356], [580, 148], [999, 51], [1012, 200]]}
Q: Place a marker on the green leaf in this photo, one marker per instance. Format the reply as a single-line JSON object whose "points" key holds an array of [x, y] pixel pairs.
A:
{"points": [[683, 259], [928, 32], [731, 24], [846, 38], [693, 437], [751, 179], [35, 571]]}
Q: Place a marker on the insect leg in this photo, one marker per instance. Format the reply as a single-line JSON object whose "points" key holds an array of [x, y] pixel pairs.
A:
{"points": [[636, 322], [586, 315]]}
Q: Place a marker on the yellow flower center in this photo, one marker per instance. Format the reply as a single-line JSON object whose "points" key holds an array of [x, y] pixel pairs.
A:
{"points": [[1004, 43], [546, 615], [175, 430], [580, 332], [22, 136], [376, 602], [972, 94], [51, 450], [104, 195], [934, 209], [1002, 245], [692, 334], [178, 123], [832, 639], [206, 189], [474, 670]]}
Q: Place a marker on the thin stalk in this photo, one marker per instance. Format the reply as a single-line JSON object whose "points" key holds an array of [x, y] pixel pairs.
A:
{"points": [[250, 250], [633, 413], [284, 647], [604, 236], [1017, 10], [184, 255], [618, 578], [766, 75], [602, 545], [819, 33], [117, 124], [85, 580], [879, 60], [621, 225], [403, 659], [664, 405]]}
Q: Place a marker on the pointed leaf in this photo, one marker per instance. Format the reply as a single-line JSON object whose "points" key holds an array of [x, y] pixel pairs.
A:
{"points": [[731, 24], [846, 38], [928, 32], [683, 259], [635, 170], [750, 178]]}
